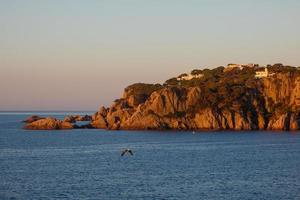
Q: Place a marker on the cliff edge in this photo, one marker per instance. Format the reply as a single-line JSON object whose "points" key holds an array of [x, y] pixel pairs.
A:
{"points": [[225, 98]]}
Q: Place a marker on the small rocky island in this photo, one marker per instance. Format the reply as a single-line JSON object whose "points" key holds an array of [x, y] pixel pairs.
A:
{"points": [[236, 97], [49, 123]]}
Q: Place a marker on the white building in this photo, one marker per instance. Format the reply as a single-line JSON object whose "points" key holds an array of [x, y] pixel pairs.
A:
{"points": [[262, 73], [189, 77], [235, 66], [239, 66]]}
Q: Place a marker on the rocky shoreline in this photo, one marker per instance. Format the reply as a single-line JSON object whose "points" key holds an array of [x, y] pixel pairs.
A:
{"points": [[216, 99]]}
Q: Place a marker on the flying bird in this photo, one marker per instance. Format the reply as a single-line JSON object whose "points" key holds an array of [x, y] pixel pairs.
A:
{"points": [[127, 151]]}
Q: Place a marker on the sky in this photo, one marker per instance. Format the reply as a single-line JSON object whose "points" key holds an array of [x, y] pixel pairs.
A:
{"points": [[74, 55]]}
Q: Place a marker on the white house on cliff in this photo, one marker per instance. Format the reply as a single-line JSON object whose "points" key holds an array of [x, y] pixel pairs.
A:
{"points": [[188, 77], [263, 72], [232, 66]]}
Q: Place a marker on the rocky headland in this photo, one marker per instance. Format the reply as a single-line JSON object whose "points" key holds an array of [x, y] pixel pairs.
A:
{"points": [[236, 97]]}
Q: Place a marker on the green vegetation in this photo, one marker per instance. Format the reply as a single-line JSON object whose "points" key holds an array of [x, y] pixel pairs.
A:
{"points": [[142, 88], [196, 72], [213, 77], [172, 81], [280, 68]]}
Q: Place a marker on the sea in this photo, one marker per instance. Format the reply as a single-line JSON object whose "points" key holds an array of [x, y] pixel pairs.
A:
{"points": [[87, 164]]}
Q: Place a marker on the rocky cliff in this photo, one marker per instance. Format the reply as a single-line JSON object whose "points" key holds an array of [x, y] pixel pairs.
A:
{"points": [[229, 98], [220, 100]]}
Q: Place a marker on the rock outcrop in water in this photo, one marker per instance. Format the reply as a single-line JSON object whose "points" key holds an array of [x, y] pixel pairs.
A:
{"points": [[69, 122], [220, 99], [48, 123]]}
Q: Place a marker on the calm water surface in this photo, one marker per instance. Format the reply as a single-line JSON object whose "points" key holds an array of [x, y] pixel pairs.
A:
{"points": [[86, 164]]}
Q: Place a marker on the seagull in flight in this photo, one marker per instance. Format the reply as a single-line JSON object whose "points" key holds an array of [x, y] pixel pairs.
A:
{"points": [[127, 151]]}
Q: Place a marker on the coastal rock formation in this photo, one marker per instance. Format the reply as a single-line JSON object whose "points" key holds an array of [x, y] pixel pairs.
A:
{"points": [[99, 119], [48, 123], [70, 119], [83, 118], [219, 100], [295, 122], [76, 118], [213, 99]]}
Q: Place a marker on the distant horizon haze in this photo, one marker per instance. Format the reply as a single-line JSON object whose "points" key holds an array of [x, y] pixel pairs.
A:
{"points": [[60, 55]]}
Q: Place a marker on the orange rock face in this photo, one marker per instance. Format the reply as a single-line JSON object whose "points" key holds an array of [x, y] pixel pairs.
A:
{"points": [[48, 124]]}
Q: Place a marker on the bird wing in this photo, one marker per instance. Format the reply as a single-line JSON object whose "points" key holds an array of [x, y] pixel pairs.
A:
{"points": [[122, 154], [131, 153]]}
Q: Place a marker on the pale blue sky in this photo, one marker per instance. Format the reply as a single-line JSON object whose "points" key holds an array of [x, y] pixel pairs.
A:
{"points": [[78, 55]]}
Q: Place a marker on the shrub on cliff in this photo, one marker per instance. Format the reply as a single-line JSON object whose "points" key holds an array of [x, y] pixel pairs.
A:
{"points": [[172, 81], [182, 75], [142, 88], [278, 68], [196, 72]]}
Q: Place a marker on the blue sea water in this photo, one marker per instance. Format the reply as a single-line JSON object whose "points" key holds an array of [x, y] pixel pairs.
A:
{"points": [[86, 164]]}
